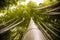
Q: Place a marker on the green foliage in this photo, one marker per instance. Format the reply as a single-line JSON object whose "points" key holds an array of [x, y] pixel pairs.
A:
{"points": [[5, 3], [27, 11]]}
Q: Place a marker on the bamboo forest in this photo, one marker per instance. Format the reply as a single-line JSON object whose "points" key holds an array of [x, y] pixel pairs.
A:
{"points": [[29, 19]]}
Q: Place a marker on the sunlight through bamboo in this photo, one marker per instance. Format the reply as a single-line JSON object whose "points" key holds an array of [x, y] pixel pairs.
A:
{"points": [[53, 27], [8, 21], [11, 26], [50, 30], [44, 32]]}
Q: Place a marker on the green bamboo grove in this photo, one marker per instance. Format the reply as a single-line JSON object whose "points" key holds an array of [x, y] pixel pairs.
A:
{"points": [[14, 21]]}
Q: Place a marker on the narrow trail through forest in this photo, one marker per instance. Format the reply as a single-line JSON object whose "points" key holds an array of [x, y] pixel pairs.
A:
{"points": [[33, 33]]}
